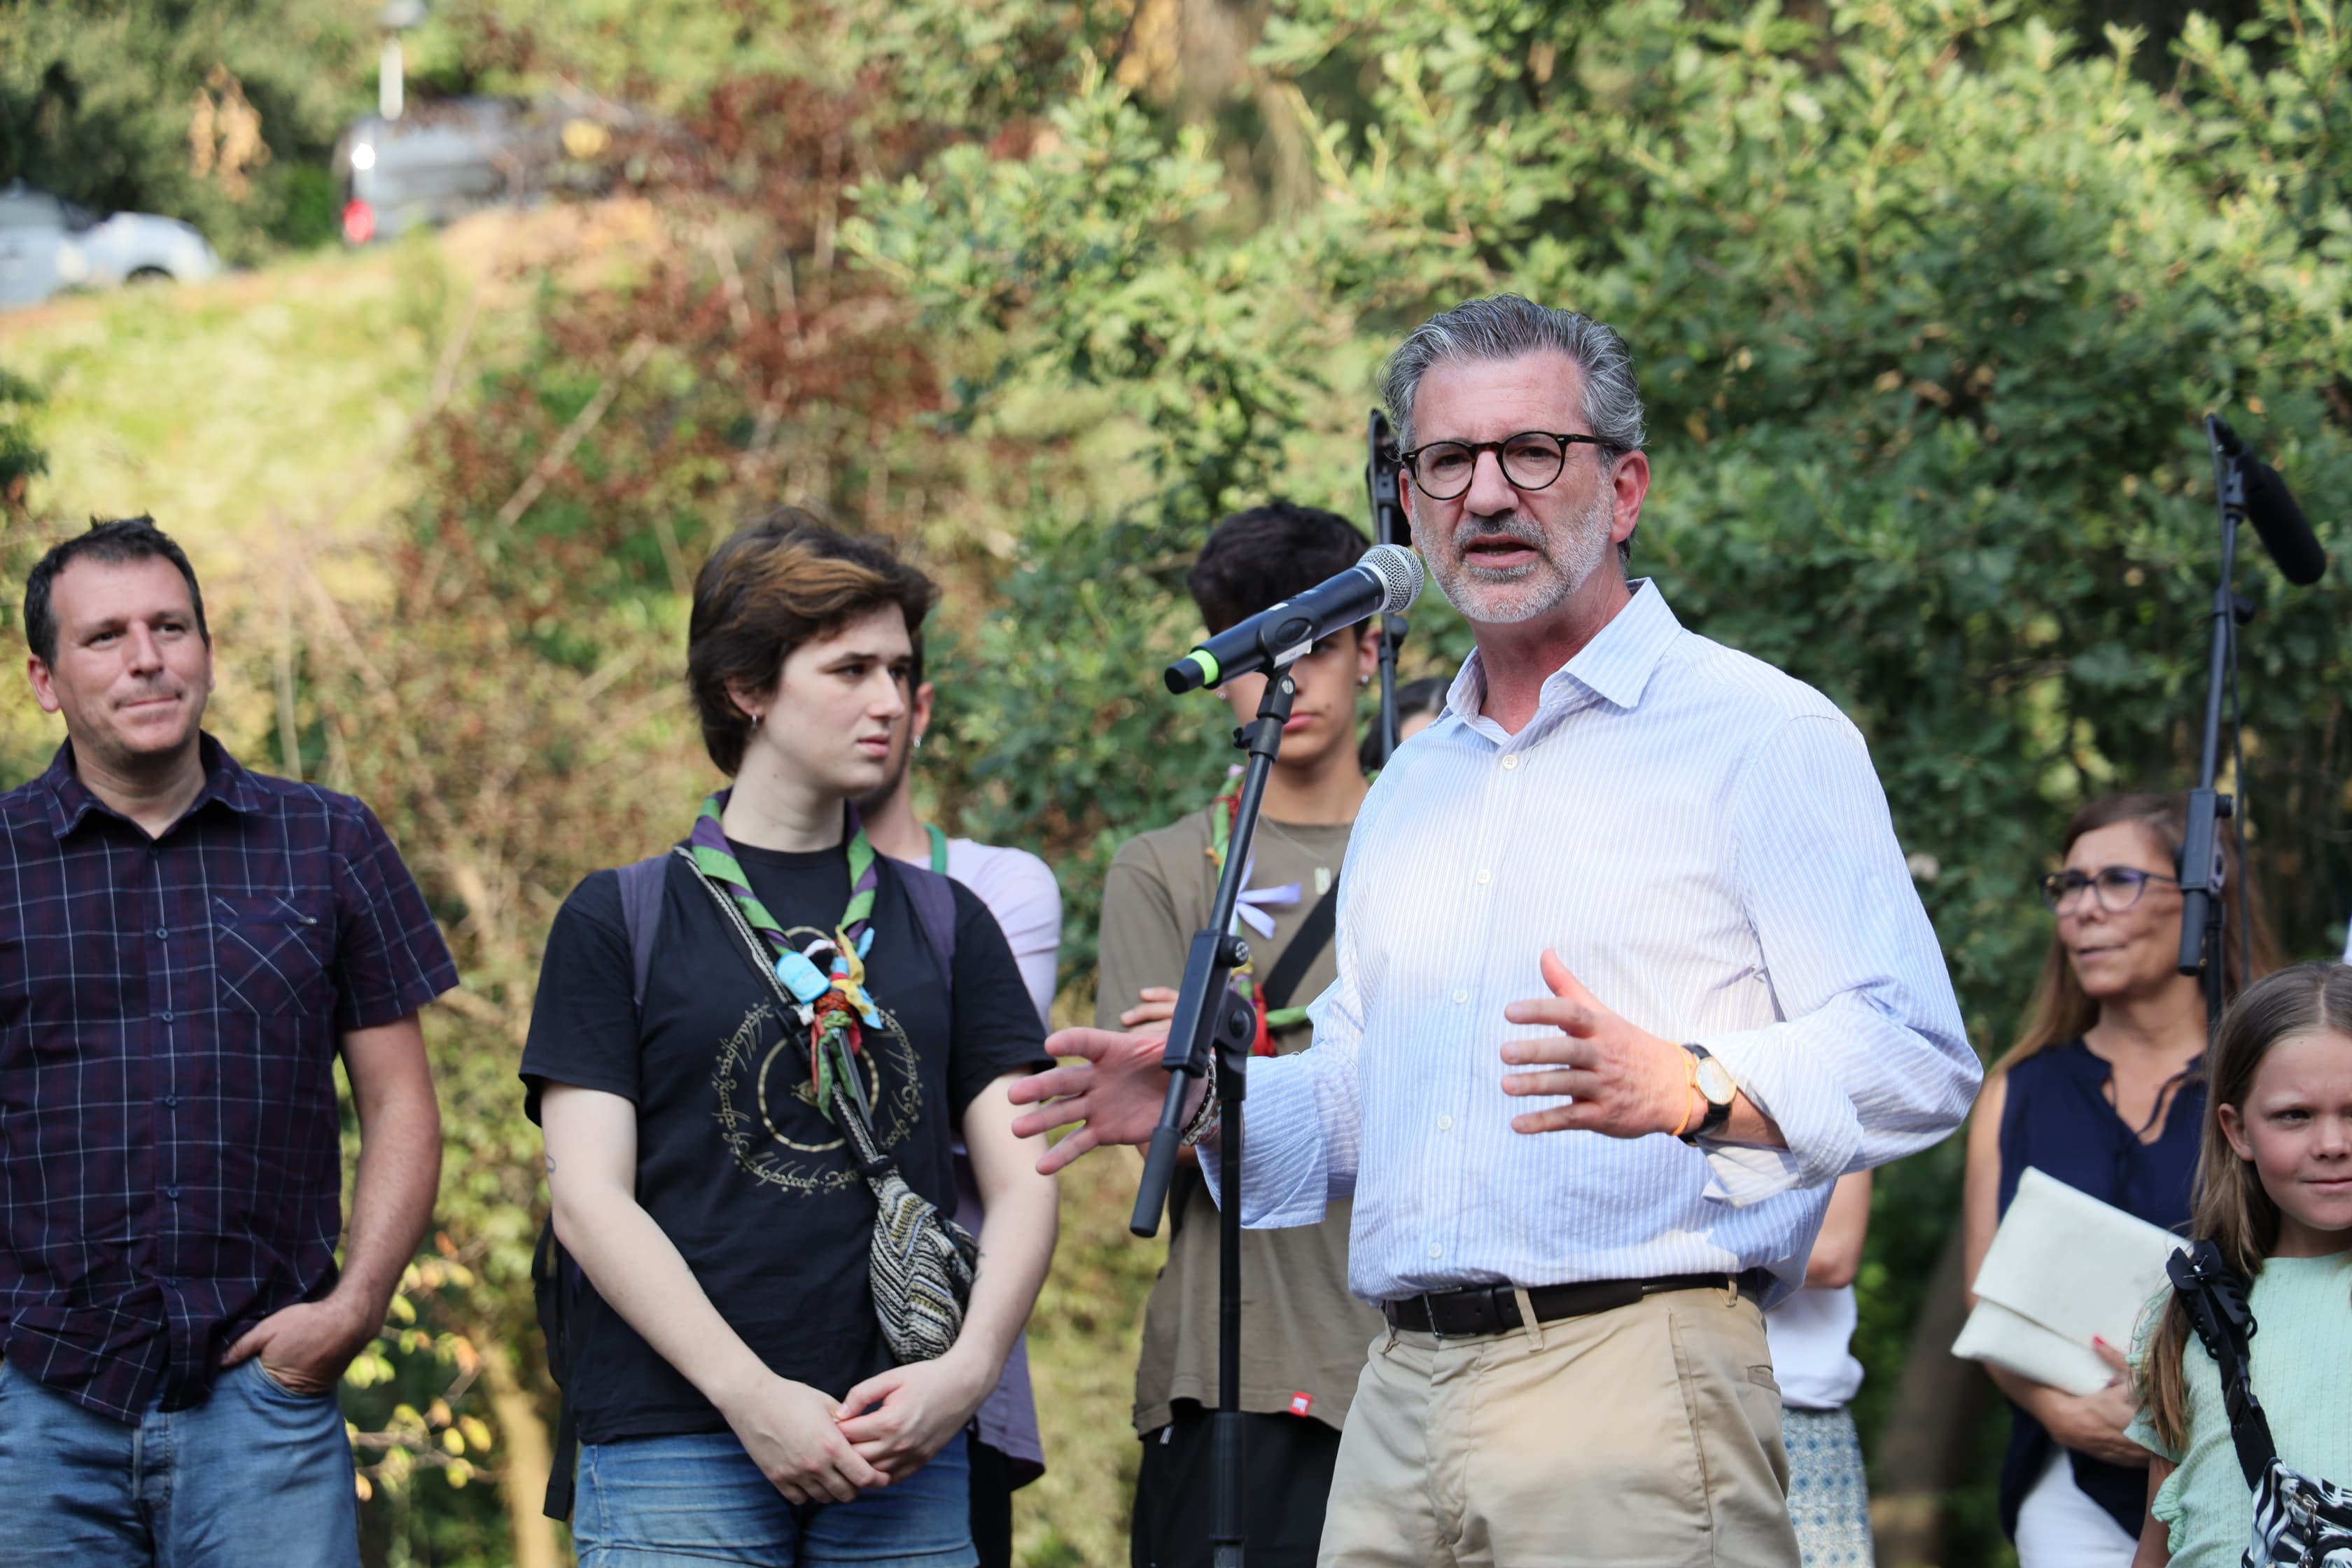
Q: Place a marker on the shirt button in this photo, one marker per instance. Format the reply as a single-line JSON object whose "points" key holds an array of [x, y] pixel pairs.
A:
{"points": [[1446, 1124], [160, 930], [167, 1017], [173, 1193], [171, 1099], [1435, 1250], [1484, 876], [1512, 760], [1460, 997]]}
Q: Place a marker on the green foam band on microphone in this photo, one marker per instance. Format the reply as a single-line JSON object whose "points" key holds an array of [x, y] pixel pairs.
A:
{"points": [[1208, 663]]}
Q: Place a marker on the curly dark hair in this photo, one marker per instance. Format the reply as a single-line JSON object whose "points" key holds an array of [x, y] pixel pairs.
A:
{"points": [[1267, 555]]}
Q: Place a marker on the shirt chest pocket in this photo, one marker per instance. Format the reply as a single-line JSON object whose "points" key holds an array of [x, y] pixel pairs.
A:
{"points": [[270, 956]]}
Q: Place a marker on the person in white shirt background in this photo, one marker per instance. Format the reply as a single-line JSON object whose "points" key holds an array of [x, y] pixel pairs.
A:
{"points": [[1813, 1361], [1019, 889], [1649, 886]]}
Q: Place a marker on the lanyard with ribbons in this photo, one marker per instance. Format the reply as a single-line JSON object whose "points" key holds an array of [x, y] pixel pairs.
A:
{"points": [[833, 1000]]}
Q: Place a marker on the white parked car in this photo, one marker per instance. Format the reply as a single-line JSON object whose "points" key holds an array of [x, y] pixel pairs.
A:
{"points": [[47, 244]]}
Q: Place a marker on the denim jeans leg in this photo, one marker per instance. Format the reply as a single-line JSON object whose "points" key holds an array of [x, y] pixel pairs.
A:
{"points": [[922, 1522], [695, 1498], [70, 1480], [258, 1474]]}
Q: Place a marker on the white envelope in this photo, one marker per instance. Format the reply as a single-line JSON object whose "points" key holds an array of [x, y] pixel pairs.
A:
{"points": [[2064, 1268]]}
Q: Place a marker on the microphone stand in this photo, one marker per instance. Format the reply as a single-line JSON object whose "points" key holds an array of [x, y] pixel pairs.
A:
{"points": [[1211, 1021], [2202, 922], [1382, 478]]}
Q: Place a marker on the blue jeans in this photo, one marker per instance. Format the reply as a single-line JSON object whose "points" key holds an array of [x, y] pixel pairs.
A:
{"points": [[653, 1503], [254, 1474]]}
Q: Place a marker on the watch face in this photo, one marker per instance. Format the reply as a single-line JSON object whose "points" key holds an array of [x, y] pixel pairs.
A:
{"points": [[1715, 1082]]}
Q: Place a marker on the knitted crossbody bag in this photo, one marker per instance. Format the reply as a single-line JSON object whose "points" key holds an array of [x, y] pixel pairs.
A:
{"points": [[2299, 1520], [920, 1264]]}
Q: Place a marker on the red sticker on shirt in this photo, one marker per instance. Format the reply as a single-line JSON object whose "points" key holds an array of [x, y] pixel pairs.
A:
{"points": [[1301, 1403]]}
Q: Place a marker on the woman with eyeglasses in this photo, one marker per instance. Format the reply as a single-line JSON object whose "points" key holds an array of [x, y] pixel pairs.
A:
{"points": [[2103, 1090]]}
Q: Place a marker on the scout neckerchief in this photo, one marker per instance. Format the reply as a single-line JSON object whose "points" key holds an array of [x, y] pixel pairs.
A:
{"points": [[1223, 812], [833, 1000], [939, 848]]}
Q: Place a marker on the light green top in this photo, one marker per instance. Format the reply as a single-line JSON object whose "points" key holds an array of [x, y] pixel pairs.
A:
{"points": [[2302, 1359]]}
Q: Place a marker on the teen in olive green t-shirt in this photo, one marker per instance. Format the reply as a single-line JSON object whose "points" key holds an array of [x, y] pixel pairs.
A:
{"points": [[1304, 1337]]}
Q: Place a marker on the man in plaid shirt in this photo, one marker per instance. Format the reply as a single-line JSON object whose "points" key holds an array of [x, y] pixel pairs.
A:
{"points": [[184, 948]]}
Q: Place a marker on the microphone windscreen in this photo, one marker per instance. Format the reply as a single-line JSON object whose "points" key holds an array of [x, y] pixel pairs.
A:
{"points": [[2286, 534], [1399, 570]]}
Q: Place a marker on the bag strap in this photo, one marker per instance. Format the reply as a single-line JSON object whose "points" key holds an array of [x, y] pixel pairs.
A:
{"points": [[2216, 1297], [1307, 944], [641, 909], [933, 896]]}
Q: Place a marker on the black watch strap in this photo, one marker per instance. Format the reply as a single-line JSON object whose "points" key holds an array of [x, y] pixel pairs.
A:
{"points": [[1719, 1113]]}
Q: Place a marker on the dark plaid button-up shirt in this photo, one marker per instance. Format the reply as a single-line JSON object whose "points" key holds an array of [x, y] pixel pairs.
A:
{"points": [[171, 1167]]}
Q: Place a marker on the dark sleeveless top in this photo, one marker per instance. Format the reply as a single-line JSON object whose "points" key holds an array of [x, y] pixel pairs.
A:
{"points": [[2057, 1119]]}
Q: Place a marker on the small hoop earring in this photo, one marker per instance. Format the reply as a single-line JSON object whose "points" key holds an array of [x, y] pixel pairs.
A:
{"points": [[755, 719]]}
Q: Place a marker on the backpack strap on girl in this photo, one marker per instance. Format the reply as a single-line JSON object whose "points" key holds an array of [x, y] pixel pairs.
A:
{"points": [[2216, 1297]]}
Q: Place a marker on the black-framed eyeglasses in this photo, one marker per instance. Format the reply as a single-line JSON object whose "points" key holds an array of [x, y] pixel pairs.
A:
{"points": [[2117, 887], [1531, 460]]}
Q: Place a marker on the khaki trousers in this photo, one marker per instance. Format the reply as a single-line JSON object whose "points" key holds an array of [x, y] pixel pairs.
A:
{"points": [[1644, 1437]]}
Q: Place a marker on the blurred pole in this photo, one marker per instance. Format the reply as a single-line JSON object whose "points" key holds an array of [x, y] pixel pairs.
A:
{"points": [[391, 95]]}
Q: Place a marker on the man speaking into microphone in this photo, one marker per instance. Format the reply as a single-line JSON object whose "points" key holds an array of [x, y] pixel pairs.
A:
{"points": [[1630, 971]]}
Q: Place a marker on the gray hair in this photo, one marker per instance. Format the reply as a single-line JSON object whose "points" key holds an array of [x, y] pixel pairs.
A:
{"points": [[1504, 327]]}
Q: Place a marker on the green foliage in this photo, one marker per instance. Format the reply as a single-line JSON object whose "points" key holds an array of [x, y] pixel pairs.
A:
{"points": [[98, 103], [21, 458]]}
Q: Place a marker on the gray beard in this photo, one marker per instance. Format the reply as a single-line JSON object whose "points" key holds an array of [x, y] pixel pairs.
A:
{"points": [[1469, 588]]}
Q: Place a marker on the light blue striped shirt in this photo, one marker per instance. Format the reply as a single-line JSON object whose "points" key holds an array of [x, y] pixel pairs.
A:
{"points": [[1704, 841]]}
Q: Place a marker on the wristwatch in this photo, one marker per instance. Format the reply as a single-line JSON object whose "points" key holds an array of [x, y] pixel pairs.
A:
{"points": [[1716, 1087]]}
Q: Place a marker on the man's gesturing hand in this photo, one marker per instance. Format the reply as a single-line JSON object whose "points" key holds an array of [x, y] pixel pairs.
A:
{"points": [[1114, 1095], [1625, 1081]]}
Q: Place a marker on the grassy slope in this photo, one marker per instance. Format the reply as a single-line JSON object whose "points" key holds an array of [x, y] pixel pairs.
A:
{"points": [[266, 414]]}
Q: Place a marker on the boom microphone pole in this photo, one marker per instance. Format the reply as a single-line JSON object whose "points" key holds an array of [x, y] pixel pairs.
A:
{"points": [[2245, 489], [1384, 480]]}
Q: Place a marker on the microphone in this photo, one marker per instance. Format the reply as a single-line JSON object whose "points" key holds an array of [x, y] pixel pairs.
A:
{"points": [[1384, 582], [2270, 508]]}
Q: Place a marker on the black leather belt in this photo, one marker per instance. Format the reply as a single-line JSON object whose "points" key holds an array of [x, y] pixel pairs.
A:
{"points": [[1476, 1309]]}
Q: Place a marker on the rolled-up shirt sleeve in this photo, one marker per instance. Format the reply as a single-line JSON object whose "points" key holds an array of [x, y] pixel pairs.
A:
{"points": [[1870, 1060]]}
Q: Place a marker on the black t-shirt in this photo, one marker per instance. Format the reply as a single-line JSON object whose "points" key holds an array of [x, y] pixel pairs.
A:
{"points": [[734, 1161]]}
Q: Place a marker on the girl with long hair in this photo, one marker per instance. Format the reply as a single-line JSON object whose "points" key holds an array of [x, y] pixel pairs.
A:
{"points": [[2275, 1194], [2103, 1090]]}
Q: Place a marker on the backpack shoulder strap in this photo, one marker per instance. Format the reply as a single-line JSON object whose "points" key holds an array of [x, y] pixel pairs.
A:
{"points": [[2216, 1297], [933, 896], [1307, 944], [641, 908], [556, 1278]]}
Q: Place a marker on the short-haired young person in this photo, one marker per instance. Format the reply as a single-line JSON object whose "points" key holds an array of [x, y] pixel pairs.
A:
{"points": [[186, 948], [736, 1398], [1020, 890], [1303, 1336]]}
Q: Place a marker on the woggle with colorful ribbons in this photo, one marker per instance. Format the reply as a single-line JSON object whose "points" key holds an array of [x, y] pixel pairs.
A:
{"points": [[833, 1003]]}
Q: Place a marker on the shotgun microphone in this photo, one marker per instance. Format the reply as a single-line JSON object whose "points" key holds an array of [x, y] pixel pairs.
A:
{"points": [[1384, 582], [2270, 508]]}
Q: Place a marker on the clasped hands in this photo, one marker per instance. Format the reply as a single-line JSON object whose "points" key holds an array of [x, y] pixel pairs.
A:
{"points": [[815, 1448], [1623, 1081]]}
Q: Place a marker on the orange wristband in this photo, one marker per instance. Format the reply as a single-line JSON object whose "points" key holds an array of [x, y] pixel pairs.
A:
{"points": [[1690, 1089]]}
